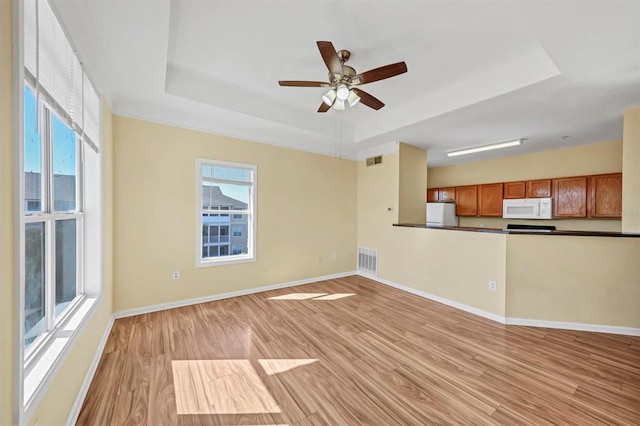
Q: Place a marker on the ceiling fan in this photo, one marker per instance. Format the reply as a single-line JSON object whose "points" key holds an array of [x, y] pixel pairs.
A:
{"points": [[343, 79]]}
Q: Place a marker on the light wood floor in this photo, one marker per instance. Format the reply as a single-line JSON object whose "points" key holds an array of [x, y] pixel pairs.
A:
{"points": [[351, 351]]}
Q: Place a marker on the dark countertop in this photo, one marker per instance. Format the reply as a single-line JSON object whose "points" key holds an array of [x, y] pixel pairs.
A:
{"points": [[522, 232]]}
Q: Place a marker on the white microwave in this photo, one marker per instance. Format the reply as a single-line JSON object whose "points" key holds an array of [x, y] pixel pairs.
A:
{"points": [[527, 208]]}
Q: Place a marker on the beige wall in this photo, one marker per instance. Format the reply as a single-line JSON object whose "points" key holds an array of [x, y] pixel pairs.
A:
{"points": [[591, 159], [306, 211], [6, 218], [598, 158], [448, 264], [412, 184], [58, 400], [590, 280], [631, 171]]}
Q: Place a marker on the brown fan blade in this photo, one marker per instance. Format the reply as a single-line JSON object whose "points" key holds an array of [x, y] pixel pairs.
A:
{"points": [[367, 99], [330, 57], [324, 107], [297, 83], [381, 73]]}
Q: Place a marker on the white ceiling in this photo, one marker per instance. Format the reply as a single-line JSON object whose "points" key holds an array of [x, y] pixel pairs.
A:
{"points": [[479, 71]]}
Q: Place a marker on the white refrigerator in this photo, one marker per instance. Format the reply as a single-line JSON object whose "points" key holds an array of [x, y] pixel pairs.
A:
{"points": [[441, 214]]}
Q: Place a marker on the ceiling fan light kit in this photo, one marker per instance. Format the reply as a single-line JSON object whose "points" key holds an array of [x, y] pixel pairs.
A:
{"points": [[353, 99], [343, 79], [485, 148], [342, 92], [329, 97]]}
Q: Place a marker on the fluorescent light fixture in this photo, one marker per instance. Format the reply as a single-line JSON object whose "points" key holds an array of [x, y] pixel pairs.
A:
{"points": [[338, 104], [485, 148], [342, 92], [353, 99], [329, 97]]}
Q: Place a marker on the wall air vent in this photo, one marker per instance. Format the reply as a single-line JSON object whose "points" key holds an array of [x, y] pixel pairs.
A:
{"points": [[374, 161], [368, 261]]}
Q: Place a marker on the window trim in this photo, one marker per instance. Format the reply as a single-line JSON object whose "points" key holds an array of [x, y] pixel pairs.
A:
{"points": [[251, 210], [53, 353]]}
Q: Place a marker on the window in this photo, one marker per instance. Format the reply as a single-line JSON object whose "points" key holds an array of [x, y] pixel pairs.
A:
{"points": [[53, 218], [222, 187], [61, 186]]}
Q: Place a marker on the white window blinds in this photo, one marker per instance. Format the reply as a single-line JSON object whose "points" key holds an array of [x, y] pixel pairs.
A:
{"points": [[53, 67]]}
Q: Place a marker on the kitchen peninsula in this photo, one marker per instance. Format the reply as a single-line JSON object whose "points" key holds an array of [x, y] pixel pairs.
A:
{"points": [[564, 279]]}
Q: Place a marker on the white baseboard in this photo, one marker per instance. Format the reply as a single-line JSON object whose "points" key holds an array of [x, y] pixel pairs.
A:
{"points": [[82, 392], [204, 299], [438, 299], [596, 328]]}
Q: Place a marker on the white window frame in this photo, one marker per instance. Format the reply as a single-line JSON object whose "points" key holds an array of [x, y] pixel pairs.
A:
{"points": [[250, 256], [37, 366], [49, 217], [36, 354]]}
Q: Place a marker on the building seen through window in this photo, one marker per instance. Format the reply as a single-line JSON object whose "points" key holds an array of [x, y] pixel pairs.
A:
{"points": [[222, 234]]}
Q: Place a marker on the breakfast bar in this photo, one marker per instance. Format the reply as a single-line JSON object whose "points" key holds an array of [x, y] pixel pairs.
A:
{"points": [[569, 279]]}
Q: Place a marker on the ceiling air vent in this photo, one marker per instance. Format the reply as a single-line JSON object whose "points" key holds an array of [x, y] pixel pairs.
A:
{"points": [[373, 161]]}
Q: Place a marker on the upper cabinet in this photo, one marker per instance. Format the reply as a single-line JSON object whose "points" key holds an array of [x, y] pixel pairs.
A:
{"points": [[432, 195], [447, 194], [490, 200], [441, 194], [570, 197], [605, 196], [539, 188], [514, 189], [598, 196], [467, 200]]}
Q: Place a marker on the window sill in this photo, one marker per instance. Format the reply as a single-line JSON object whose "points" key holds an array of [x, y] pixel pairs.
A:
{"points": [[230, 260], [51, 355]]}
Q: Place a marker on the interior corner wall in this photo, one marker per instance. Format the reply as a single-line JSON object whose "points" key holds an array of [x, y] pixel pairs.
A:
{"points": [[7, 312], [58, 400], [306, 211], [631, 171], [412, 184], [448, 264]]}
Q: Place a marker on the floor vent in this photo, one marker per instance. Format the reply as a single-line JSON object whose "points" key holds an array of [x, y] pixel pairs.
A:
{"points": [[368, 261]]}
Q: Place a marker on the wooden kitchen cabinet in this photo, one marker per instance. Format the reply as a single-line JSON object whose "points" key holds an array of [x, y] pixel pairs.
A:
{"points": [[570, 197], [447, 194], [514, 189], [441, 194], [539, 188], [490, 200], [605, 196], [467, 200]]}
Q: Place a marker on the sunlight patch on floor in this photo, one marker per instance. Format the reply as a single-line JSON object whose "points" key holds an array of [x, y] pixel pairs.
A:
{"points": [[334, 296], [276, 366], [220, 387], [312, 296], [297, 296]]}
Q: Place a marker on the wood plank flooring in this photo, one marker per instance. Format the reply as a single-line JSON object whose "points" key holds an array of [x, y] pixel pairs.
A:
{"points": [[352, 351]]}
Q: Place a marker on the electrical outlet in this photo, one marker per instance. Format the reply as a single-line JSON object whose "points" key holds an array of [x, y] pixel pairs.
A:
{"points": [[334, 256], [176, 275], [493, 286]]}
